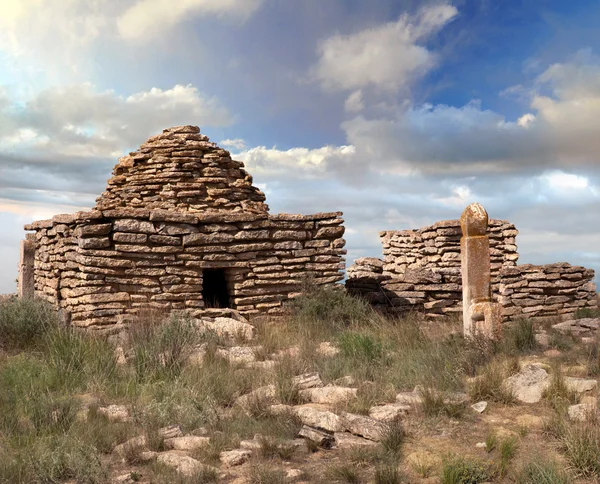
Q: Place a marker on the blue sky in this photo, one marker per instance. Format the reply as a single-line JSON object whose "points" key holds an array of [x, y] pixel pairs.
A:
{"points": [[399, 113]]}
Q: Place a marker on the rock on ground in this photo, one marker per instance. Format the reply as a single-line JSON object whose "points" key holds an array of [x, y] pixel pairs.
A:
{"points": [[389, 412], [529, 384], [321, 419], [183, 464], [115, 413], [229, 328], [362, 425], [235, 457], [581, 411], [190, 442], [328, 395], [344, 441]]}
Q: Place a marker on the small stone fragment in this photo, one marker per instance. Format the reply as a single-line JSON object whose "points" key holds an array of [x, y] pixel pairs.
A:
{"points": [[235, 457], [479, 407]]}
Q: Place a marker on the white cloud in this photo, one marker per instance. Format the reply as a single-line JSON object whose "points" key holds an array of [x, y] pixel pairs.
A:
{"points": [[78, 120], [149, 18], [387, 56], [236, 144]]}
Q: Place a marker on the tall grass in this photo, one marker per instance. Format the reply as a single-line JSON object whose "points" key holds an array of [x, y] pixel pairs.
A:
{"points": [[23, 322]]}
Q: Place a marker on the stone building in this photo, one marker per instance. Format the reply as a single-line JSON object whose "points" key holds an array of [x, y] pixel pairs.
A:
{"points": [[421, 270], [180, 226]]}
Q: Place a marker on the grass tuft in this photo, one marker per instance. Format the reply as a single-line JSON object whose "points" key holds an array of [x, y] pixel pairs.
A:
{"points": [[463, 470]]}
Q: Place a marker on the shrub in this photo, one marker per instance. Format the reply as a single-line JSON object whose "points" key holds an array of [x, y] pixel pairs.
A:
{"points": [[462, 470], [542, 471], [489, 384], [437, 404], [24, 321], [161, 348], [520, 337], [327, 309], [360, 346], [508, 448], [581, 444], [388, 474], [261, 474], [393, 437], [344, 473], [558, 394]]}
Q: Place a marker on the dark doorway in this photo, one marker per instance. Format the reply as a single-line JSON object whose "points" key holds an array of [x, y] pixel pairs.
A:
{"points": [[214, 289]]}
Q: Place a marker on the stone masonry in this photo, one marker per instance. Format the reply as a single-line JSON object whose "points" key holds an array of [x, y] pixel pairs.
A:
{"points": [[179, 227], [421, 271]]}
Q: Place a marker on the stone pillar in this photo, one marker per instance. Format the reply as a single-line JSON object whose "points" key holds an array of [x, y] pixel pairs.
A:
{"points": [[480, 314], [25, 284]]}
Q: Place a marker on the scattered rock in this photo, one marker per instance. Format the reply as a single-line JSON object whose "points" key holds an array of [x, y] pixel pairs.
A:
{"points": [[265, 394], [197, 355], [322, 439], [281, 409], [321, 419], [115, 413], [327, 349], [183, 464], [389, 412], [328, 395], [170, 432], [235, 457], [262, 365], [529, 384], [344, 441], [581, 411], [307, 380], [187, 443], [580, 385], [480, 445], [136, 443], [345, 381], [409, 398], [238, 354], [479, 407], [362, 425], [578, 326], [293, 474]]}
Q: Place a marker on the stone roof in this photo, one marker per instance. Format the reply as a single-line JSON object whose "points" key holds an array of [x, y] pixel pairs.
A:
{"points": [[181, 170]]}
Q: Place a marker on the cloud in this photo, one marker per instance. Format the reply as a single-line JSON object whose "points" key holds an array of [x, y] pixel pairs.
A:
{"points": [[80, 121], [354, 103], [388, 56], [64, 141], [148, 18], [236, 144]]}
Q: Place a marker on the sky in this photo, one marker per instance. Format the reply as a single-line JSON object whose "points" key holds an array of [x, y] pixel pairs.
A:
{"points": [[397, 112]]}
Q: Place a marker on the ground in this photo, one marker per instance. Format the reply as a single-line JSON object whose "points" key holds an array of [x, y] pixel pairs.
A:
{"points": [[333, 392]]}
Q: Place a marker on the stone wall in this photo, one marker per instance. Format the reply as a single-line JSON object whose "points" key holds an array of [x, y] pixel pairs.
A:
{"points": [[421, 271], [438, 247], [547, 290], [173, 213]]}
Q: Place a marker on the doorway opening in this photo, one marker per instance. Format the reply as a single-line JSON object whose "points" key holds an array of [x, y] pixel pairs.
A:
{"points": [[214, 289]]}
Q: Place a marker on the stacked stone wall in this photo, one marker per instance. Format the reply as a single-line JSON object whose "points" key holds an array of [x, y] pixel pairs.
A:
{"points": [[539, 291], [102, 266], [421, 271]]}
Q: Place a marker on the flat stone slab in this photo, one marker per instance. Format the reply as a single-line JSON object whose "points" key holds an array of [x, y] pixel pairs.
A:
{"points": [[580, 385], [529, 384], [344, 440], [329, 395], [320, 419], [188, 443], [389, 412], [578, 325]]}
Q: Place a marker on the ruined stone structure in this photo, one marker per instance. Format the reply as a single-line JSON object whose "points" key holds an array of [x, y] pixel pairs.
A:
{"points": [[180, 226], [481, 316], [421, 271]]}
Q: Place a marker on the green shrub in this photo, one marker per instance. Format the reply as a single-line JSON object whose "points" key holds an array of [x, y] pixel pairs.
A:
{"points": [[23, 322], [360, 346], [344, 473], [327, 309], [436, 404], [507, 450], [542, 471], [520, 337], [558, 394], [462, 470], [161, 348]]}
